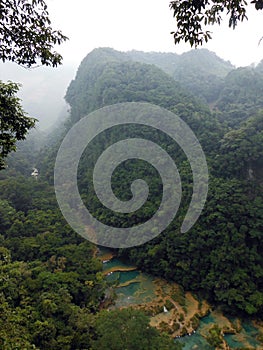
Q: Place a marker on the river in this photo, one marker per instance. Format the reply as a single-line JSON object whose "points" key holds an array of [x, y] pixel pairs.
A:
{"points": [[179, 313]]}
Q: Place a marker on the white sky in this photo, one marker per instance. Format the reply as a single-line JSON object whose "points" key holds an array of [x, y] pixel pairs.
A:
{"points": [[144, 25]]}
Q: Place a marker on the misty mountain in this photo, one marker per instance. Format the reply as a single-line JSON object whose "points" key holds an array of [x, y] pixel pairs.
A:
{"points": [[217, 256], [106, 77], [240, 95], [216, 82], [199, 71], [54, 288]]}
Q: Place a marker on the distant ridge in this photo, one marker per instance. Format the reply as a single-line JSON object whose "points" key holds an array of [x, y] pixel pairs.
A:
{"points": [[200, 71]]}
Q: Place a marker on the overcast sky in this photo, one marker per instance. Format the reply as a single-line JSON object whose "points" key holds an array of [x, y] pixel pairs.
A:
{"points": [[145, 25]]}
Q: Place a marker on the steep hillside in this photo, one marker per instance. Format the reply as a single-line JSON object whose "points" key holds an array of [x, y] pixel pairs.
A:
{"points": [[241, 152], [106, 77], [110, 82], [200, 71], [220, 257], [235, 94], [241, 95]]}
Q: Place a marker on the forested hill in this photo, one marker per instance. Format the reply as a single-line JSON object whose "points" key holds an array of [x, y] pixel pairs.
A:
{"points": [[53, 284], [234, 93], [200, 72], [107, 76], [241, 95], [221, 255], [108, 82], [217, 82]]}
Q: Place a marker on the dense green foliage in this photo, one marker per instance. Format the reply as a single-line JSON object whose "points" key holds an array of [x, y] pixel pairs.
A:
{"points": [[221, 255], [240, 96], [233, 94], [101, 82], [129, 329], [203, 73], [14, 123], [192, 17], [200, 72], [51, 283], [26, 35]]}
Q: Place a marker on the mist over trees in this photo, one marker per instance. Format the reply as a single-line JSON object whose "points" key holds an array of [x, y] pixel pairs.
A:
{"points": [[227, 237], [26, 38]]}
